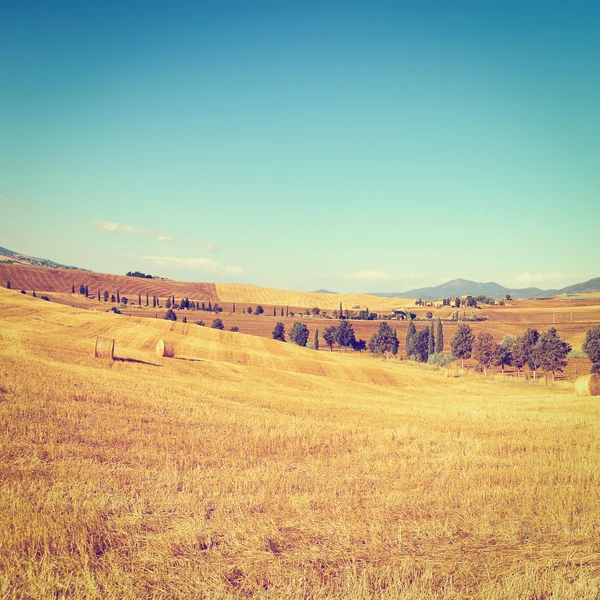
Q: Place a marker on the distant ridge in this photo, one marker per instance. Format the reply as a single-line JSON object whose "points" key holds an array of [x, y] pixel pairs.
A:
{"points": [[464, 287], [322, 291], [24, 259]]}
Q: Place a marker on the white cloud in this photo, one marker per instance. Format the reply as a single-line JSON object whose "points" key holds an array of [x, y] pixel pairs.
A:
{"points": [[374, 275], [539, 277], [106, 226], [165, 238], [194, 264]]}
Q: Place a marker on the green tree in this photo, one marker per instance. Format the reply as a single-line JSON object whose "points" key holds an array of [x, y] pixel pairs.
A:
{"points": [[316, 340], [249, 310], [217, 324], [384, 340], [344, 335], [439, 337], [504, 357], [259, 310], [462, 342], [519, 354], [299, 334], [234, 328], [530, 350], [8, 285], [485, 350], [329, 336], [591, 346], [168, 303], [411, 333], [553, 352], [170, 315], [421, 345], [279, 332], [431, 341]]}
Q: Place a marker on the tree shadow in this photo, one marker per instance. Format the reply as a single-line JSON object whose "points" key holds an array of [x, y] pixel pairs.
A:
{"points": [[135, 360], [190, 359]]}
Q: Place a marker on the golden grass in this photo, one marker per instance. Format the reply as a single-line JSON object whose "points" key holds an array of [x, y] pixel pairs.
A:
{"points": [[251, 294], [252, 468]]}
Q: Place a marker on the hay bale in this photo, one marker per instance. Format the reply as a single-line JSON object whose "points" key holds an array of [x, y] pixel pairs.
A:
{"points": [[105, 348], [589, 385], [165, 348]]}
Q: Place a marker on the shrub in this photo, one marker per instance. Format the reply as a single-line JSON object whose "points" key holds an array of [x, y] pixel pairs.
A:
{"points": [[234, 328], [201, 323], [23, 292], [217, 324], [259, 310], [170, 315], [428, 314], [45, 298], [437, 358]]}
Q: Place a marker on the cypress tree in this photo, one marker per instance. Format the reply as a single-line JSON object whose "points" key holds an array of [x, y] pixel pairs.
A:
{"points": [[209, 306], [439, 337], [431, 343], [282, 311], [105, 296], [118, 297], [146, 298], [411, 332], [274, 311], [153, 301], [139, 300], [316, 342], [98, 295], [8, 285], [73, 288], [233, 307], [341, 312], [86, 291], [287, 311]]}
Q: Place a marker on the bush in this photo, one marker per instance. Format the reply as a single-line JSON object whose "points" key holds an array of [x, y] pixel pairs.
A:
{"points": [[45, 298], [23, 292], [439, 359], [279, 332], [217, 324], [428, 314], [259, 310], [201, 323], [170, 315], [234, 328], [116, 310]]}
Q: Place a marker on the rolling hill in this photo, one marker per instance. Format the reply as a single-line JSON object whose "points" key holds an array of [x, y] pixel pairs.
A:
{"points": [[464, 287]]}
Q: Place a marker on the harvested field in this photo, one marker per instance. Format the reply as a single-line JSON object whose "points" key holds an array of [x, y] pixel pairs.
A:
{"points": [[248, 467]]}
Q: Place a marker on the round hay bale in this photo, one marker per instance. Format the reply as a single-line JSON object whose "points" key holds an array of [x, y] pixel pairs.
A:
{"points": [[589, 385], [165, 348], [105, 348]]}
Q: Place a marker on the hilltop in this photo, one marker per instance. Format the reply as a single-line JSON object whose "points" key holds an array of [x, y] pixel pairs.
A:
{"points": [[11, 257]]}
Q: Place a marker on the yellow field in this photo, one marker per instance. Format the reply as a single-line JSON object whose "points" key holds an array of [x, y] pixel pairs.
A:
{"points": [[247, 467], [252, 294]]}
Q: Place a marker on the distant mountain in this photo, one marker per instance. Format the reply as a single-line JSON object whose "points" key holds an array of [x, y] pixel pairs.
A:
{"points": [[592, 285], [24, 259], [464, 287], [324, 292]]}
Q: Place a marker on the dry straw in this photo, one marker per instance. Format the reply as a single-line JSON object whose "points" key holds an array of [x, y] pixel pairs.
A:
{"points": [[105, 348], [589, 385], [165, 348]]}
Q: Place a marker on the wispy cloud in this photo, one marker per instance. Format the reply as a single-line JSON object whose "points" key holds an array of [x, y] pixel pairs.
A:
{"points": [[108, 226], [375, 275], [539, 277], [194, 264], [164, 238]]}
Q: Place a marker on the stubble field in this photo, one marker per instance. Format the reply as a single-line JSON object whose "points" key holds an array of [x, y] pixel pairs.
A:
{"points": [[250, 468]]}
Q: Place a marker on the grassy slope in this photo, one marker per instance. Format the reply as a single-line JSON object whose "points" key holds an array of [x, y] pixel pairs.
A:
{"points": [[256, 468]]}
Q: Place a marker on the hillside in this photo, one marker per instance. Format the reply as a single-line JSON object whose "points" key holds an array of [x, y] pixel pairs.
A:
{"points": [[464, 287], [10, 257], [247, 467]]}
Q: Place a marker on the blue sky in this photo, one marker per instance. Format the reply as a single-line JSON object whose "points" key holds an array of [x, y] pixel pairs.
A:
{"points": [[375, 146]]}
